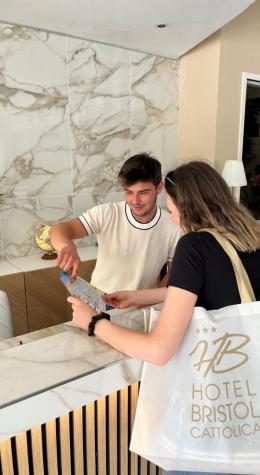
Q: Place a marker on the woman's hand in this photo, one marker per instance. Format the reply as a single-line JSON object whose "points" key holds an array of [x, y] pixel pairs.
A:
{"points": [[121, 299], [82, 312], [139, 298]]}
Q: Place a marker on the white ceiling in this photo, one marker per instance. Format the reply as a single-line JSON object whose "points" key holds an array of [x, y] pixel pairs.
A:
{"points": [[129, 24]]}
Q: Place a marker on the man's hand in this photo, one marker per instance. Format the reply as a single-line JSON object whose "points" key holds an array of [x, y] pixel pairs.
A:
{"points": [[82, 312], [69, 261]]}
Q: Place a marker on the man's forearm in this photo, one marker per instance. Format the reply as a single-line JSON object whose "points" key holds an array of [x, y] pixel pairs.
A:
{"points": [[60, 236], [63, 234]]}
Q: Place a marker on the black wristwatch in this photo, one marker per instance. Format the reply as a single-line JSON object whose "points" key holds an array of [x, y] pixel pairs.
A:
{"points": [[94, 320]]}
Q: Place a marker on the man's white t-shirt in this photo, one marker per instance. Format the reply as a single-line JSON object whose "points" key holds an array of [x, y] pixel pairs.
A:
{"points": [[130, 254]]}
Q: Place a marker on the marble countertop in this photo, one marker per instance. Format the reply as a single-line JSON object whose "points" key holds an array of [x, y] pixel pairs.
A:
{"points": [[35, 262], [56, 370], [45, 361]]}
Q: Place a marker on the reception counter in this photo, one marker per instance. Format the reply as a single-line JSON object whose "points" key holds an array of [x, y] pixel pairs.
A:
{"points": [[68, 402], [47, 373]]}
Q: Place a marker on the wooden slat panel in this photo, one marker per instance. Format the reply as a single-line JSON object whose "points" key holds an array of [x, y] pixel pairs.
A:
{"points": [[78, 441], [134, 398], [152, 469], [101, 421], [65, 444], [113, 433], [6, 457], [144, 465], [37, 453], [22, 454], [93, 452], [124, 431], [51, 442], [91, 447]]}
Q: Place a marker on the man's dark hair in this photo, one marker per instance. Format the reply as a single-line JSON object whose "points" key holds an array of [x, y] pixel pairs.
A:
{"points": [[140, 167]]}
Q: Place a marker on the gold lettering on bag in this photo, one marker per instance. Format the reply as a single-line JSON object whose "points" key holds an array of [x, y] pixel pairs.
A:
{"points": [[225, 347]]}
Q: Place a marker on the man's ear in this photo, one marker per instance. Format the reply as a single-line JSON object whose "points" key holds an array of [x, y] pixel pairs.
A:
{"points": [[160, 187]]}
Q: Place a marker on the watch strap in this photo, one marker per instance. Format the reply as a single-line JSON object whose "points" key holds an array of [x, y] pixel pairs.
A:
{"points": [[94, 320]]}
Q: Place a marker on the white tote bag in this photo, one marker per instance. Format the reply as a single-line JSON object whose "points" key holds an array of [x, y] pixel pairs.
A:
{"points": [[201, 411]]}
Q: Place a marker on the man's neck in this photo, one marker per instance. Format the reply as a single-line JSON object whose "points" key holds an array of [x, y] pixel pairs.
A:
{"points": [[147, 217]]}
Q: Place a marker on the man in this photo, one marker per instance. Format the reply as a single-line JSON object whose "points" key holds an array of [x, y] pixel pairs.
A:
{"points": [[135, 237]]}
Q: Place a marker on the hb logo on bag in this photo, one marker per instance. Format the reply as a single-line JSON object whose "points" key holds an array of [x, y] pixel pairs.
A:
{"points": [[227, 347], [201, 411], [214, 403]]}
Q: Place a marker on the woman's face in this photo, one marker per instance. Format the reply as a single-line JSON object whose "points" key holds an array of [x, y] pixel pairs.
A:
{"points": [[175, 215]]}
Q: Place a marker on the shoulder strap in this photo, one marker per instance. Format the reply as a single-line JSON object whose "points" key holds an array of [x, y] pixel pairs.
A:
{"points": [[244, 286]]}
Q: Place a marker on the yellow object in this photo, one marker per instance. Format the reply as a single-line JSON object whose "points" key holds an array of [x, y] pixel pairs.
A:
{"points": [[42, 238]]}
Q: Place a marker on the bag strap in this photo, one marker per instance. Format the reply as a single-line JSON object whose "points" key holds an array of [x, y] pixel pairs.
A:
{"points": [[243, 283]]}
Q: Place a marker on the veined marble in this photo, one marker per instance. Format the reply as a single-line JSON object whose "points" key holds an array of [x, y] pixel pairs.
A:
{"points": [[21, 217], [71, 113], [34, 336], [1, 240], [33, 113], [47, 377], [6, 268], [99, 98], [58, 358], [154, 101]]}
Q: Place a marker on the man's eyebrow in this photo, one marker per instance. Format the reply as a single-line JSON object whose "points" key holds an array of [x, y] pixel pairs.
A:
{"points": [[143, 189]]}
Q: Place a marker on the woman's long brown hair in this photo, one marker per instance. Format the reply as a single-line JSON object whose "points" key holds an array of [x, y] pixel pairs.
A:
{"points": [[205, 201]]}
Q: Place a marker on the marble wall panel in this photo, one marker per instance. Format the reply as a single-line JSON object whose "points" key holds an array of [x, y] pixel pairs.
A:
{"points": [[21, 217], [1, 241], [99, 98], [154, 106], [83, 202], [34, 121]]}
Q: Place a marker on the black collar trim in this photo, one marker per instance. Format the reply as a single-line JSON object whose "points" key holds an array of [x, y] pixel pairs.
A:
{"points": [[143, 226]]}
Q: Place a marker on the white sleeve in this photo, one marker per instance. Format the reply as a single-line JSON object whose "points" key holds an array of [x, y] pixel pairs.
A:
{"points": [[94, 219]]}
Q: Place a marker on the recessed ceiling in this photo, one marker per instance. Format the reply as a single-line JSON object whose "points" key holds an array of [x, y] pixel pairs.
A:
{"points": [[129, 24]]}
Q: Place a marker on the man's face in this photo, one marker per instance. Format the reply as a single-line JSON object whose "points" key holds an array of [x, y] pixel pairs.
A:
{"points": [[141, 198]]}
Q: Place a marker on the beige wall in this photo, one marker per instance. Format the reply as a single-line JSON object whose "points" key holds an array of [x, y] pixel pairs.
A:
{"points": [[198, 94], [210, 89]]}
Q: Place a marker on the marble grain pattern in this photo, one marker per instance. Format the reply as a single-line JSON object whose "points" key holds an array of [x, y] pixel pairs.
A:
{"points": [[22, 217], [71, 113], [99, 97], [53, 360], [33, 112], [154, 99], [34, 336]]}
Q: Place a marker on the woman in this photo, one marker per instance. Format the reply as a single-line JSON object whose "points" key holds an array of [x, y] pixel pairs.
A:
{"points": [[202, 274]]}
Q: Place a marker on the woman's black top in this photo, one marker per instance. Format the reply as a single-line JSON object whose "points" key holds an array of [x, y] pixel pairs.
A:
{"points": [[201, 266]]}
